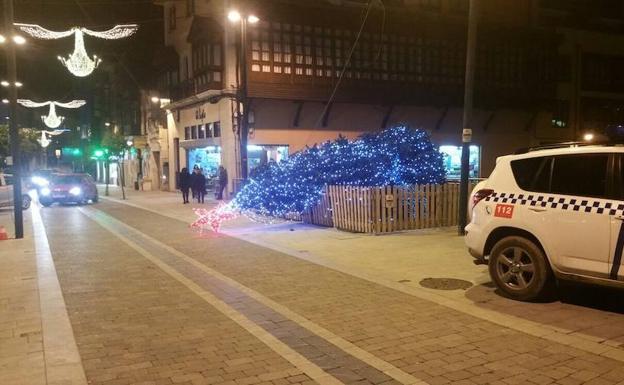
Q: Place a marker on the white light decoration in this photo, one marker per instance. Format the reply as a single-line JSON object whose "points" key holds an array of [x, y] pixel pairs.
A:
{"points": [[51, 120], [44, 141], [78, 62]]}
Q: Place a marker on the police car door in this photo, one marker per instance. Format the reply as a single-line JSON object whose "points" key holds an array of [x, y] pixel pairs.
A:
{"points": [[581, 228], [616, 270]]}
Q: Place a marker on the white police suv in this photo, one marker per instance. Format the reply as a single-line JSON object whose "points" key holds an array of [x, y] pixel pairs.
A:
{"points": [[551, 213]]}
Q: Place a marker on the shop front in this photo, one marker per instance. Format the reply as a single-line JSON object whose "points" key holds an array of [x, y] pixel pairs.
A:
{"points": [[208, 159], [259, 155], [452, 161]]}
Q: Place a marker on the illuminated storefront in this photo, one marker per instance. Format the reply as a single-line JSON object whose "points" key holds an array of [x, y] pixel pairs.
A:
{"points": [[209, 158], [452, 161]]}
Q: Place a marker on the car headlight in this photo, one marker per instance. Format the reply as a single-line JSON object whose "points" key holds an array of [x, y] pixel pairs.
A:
{"points": [[75, 191], [45, 191], [39, 181]]}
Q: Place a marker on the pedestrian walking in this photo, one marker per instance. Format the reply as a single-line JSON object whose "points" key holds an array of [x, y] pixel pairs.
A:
{"points": [[185, 184], [199, 184], [223, 181], [192, 181]]}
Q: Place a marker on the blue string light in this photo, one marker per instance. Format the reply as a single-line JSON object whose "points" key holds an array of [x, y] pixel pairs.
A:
{"points": [[397, 156]]}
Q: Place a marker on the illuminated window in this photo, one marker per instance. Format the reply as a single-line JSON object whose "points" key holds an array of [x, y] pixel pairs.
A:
{"points": [[452, 161]]}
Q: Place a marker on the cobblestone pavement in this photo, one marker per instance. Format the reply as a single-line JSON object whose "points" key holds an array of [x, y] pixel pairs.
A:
{"points": [[149, 300]]}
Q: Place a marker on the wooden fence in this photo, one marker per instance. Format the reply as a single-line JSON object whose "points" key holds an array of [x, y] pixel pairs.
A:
{"points": [[387, 209]]}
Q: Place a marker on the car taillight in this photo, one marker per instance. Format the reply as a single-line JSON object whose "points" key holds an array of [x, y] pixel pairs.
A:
{"points": [[480, 195]]}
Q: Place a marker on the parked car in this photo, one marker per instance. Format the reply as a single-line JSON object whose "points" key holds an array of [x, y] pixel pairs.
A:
{"points": [[69, 188], [6, 194], [551, 213]]}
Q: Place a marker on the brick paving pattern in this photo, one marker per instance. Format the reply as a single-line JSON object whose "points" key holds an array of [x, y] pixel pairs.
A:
{"points": [[431, 342], [21, 345], [321, 352], [135, 325]]}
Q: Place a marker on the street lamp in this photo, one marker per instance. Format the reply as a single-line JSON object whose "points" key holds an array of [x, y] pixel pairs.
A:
{"points": [[588, 137], [155, 99], [235, 16], [13, 130]]}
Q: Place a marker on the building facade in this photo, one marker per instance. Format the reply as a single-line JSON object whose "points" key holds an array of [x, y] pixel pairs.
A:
{"points": [[547, 71]]}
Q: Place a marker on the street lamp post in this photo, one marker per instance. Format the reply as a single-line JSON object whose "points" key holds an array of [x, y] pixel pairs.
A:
{"points": [[242, 102], [467, 118], [13, 130]]}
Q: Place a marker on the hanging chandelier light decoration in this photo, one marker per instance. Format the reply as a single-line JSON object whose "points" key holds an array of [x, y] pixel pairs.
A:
{"points": [[44, 141], [78, 62], [51, 120]]}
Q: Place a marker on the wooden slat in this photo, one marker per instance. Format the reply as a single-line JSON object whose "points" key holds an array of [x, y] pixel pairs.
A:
{"points": [[377, 213], [358, 204], [382, 210]]}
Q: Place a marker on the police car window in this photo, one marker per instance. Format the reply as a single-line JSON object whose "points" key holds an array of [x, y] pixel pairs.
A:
{"points": [[581, 175], [532, 174]]}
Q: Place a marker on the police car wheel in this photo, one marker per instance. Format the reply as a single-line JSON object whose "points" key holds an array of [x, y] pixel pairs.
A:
{"points": [[519, 268]]}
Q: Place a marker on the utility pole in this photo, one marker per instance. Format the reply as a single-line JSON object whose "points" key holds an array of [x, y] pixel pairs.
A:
{"points": [[13, 130], [471, 51]]}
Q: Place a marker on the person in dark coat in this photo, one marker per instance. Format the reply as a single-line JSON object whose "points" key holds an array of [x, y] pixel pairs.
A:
{"points": [[199, 185], [223, 180], [185, 184], [192, 181]]}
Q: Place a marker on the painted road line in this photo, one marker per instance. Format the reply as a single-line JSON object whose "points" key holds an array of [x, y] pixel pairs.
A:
{"points": [[605, 348], [62, 359], [344, 345], [299, 361]]}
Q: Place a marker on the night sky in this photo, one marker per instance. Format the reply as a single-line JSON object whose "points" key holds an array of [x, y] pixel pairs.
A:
{"points": [[44, 76]]}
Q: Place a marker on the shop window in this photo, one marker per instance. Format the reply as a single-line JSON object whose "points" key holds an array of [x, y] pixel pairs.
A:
{"points": [[201, 131], [187, 133], [259, 155], [216, 129], [452, 161], [206, 158], [193, 132]]}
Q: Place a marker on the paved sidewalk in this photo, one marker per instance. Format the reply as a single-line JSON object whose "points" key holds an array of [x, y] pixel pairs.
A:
{"points": [[406, 258], [36, 340], [21, 345], [414, 335]]}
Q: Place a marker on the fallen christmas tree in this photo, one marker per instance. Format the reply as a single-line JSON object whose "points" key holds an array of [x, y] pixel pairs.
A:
{"points": [[393, 157], [396, 156]]}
